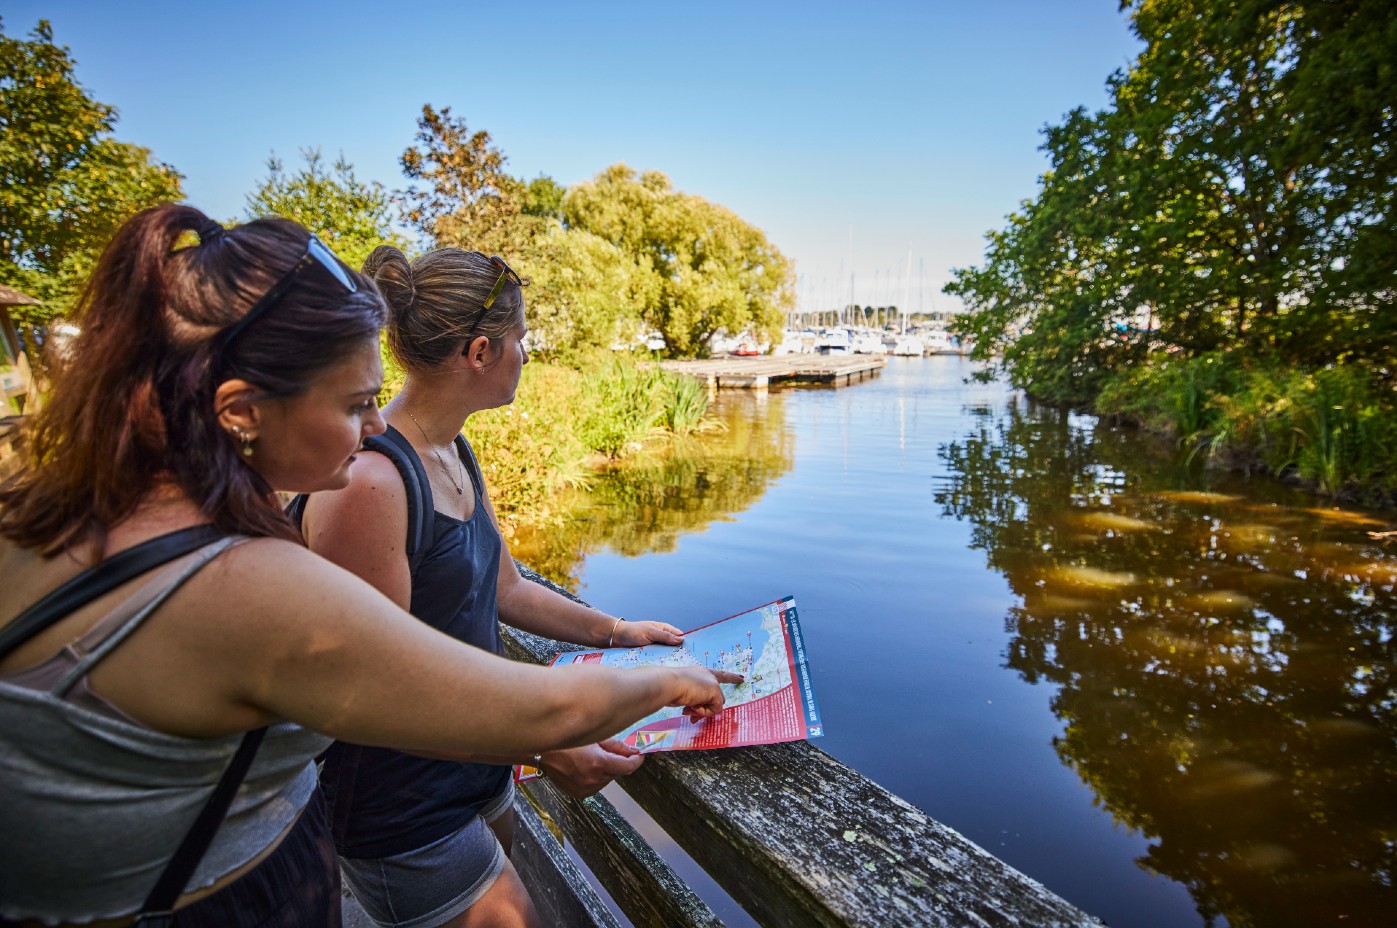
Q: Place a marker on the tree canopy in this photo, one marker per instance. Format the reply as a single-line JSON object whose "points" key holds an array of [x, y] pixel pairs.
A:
{"points": [[1236, 195], [608, 257], [351, 216], [715, 272], [65, 183]]}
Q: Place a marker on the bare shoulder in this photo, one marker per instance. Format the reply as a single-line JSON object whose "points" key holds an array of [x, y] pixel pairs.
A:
{"points": [[375, 500], [264, 566], [372, 477]]}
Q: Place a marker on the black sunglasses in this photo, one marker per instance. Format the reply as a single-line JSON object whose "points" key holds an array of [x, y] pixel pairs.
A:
{"points": [[317, 255], [506, 274]]}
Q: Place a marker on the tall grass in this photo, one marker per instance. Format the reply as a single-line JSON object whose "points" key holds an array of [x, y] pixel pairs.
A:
{"points": [[1335, 427], [565, 414]]}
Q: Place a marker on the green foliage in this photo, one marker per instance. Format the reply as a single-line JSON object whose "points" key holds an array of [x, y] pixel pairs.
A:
{"points": [[584, 292], [464, 198], [1333, 426], [531, 449], [684, 406], [606, 258], [1233, 206], [565, 414], [351, 216], [544, 197], [713, 272], [65, 184], [623, 406]]}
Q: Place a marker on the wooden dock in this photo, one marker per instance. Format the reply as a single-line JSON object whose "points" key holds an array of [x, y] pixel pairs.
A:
{"points": [[765, 371]]}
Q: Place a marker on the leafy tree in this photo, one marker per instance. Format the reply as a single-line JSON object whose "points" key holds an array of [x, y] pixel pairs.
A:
{"points": [[65, 184], [715, 272], [1235, 196], [584, 292], [351, 216], [544, 197], [465, 198]]}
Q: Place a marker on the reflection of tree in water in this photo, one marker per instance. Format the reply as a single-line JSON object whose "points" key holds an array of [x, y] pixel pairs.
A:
{"points": [[1224, 663], [646, 503]]}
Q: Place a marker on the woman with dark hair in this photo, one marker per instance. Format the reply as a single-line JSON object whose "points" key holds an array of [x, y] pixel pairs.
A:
{"points": [[205, 379], [425, 842]]}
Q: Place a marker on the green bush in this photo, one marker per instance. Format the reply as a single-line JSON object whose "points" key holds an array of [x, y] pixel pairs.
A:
{"points": [[1334, 426], [564, 414]]}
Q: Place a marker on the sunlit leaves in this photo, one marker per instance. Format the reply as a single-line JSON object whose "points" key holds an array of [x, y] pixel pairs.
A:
{"points": [[351, 216], [65, 184]]}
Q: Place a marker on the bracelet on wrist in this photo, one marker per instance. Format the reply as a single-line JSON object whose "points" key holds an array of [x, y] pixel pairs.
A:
{"points": [[611, 639]]}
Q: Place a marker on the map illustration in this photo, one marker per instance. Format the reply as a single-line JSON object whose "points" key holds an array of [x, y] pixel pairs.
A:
{"points": [[774, 703]]}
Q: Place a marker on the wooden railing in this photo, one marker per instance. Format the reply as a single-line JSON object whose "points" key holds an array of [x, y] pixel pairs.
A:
{"points": [[794, 837]]}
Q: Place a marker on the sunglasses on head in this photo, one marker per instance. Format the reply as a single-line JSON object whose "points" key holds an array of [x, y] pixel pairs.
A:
{"points": [[317, 255], [506, 274]]}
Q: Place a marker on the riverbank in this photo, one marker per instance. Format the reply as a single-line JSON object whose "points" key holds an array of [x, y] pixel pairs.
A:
{"points": [[1333, 430], [567, 420]]}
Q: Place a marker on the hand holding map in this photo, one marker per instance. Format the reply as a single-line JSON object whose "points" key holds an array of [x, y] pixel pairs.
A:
{"points": [[772, 702]]}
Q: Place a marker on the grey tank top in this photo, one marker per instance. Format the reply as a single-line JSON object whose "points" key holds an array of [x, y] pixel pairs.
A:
{"points": [[93, 803]]}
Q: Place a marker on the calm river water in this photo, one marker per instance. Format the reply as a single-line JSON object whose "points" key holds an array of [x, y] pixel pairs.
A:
{"points": [[1166, 694]]}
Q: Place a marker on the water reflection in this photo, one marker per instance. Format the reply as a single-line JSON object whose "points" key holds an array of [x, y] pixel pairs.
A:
{"points": [[1223, 657], [680, 486]]}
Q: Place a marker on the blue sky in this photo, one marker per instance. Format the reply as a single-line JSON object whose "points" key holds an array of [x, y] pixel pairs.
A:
{"points": [[913, 126]]}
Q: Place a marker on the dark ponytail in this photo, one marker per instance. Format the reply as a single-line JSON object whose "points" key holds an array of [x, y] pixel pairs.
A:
{"points": [[133, 404]]}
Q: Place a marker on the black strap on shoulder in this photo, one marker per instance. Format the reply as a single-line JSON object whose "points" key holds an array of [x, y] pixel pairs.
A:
{"points": [[393, 445], [467, 454], [158, 909], [103, 578], [82, 589]]}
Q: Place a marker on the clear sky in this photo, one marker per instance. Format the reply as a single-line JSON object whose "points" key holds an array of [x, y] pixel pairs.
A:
{"points": [[908, 127]]}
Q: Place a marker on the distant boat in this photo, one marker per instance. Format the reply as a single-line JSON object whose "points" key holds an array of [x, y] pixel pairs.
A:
{"points": [[908, 346], [938, 341], [833, 341], [868, 343]]}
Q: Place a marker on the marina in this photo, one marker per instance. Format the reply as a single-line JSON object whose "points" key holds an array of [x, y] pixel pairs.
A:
{"points": [[758, 373]]}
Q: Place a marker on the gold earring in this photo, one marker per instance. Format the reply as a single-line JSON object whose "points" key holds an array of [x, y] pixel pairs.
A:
{"points": [[245, 439]]}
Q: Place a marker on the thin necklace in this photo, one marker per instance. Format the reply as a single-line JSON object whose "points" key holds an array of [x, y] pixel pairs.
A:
{"points": [[460, 487]]}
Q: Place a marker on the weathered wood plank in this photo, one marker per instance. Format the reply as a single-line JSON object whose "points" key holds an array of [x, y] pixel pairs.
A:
{"points": [[645, 887], [559, 890], [799, 839]]}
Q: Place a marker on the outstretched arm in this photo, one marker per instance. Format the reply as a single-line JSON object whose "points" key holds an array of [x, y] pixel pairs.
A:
{"points": [[325, 649]]}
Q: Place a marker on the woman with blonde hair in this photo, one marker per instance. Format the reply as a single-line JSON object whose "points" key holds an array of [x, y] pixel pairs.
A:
{"points": [[425, 842], [172, 659]]}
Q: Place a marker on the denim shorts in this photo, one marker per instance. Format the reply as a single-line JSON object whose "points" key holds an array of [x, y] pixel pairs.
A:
{"points": [[433, 884]]}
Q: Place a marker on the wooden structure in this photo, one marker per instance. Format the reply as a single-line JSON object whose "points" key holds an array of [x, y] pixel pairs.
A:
{"points": [[794, 836], [758, 373], [16, 377]]}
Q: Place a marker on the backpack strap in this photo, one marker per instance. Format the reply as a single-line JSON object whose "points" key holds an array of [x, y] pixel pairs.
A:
{"points": [[467, 454], [103, 578], [393, 445], [158, 909]]}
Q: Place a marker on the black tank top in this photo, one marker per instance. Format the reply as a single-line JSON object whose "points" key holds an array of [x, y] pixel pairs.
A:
{"points": [[383, 802]]}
